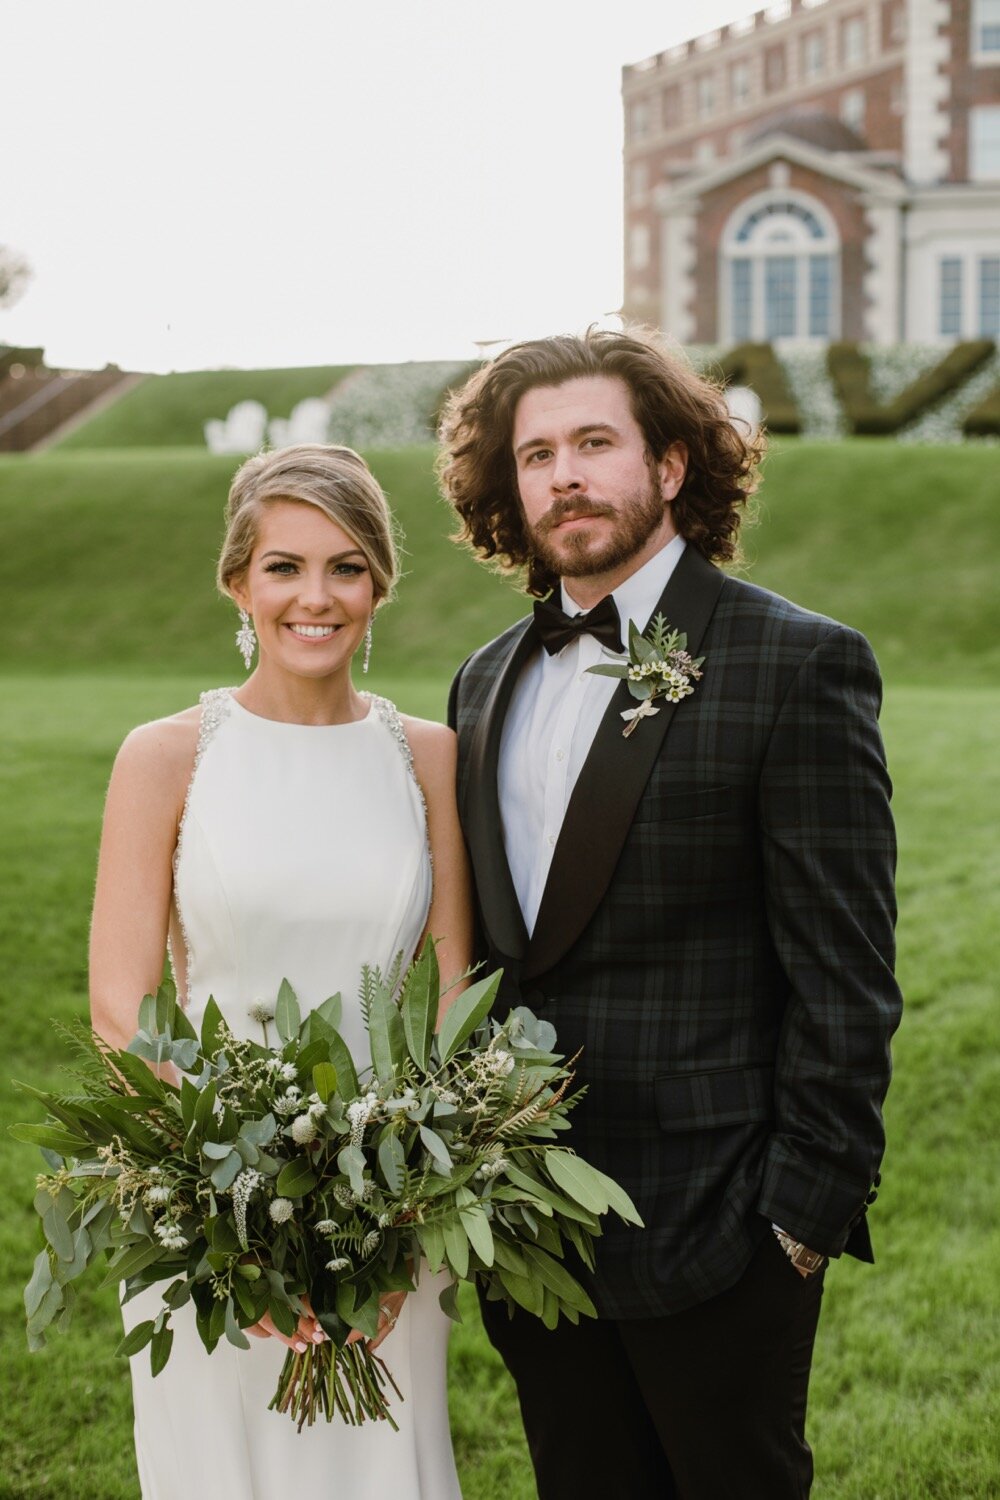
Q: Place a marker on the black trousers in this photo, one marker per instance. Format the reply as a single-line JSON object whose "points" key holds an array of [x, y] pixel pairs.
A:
{"points": [[708, 1404]]}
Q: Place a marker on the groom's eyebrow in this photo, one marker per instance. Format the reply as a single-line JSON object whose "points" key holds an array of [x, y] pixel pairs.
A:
{"points": [[576, 434], [297, 556]]}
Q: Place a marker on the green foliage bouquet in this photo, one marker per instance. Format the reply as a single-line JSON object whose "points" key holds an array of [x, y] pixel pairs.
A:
{"points": [[273, 1174]]}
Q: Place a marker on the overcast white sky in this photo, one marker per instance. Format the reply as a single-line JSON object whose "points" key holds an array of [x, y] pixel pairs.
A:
{"points": [[278, 182]]}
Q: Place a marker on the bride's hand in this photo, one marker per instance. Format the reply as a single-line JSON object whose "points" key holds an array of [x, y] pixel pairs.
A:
{"points": [[390, 1307], [308, 1331]]}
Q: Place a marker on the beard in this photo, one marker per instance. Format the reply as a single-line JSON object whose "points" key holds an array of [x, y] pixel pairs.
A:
{"points": [[576, 555]]}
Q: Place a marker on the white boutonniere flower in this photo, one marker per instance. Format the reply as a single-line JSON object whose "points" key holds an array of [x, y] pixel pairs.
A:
{"points": [[656, 665]]}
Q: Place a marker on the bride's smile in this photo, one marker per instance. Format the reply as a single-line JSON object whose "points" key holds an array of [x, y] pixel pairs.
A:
{"points": [[308, 589]]}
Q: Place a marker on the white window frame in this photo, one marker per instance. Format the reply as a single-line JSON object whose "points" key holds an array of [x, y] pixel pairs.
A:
{"points": [[979, 116], [739, 70], [705, 95], [849, 116], [985, 14], [814, 55], [802, 247], [852, 26]]}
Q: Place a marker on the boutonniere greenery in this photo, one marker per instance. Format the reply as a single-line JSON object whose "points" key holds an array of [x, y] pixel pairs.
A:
{"points": [[657, 665]]}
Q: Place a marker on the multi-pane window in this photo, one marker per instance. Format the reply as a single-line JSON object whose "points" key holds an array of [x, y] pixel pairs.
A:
{"points": [[705, 94], [671, 105], [984, 143], [950, 297], [638, 247], [853, 41], [740, 294], [814, 54], [779, 296], [986, 28], [989, 297], [781, 273], [639, 119], [852, 109], [739, 83], [820, 296]]}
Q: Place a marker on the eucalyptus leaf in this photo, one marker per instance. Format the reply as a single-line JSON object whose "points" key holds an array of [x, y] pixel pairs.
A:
{"points": [[432, 1243], [217, 1150], [58, 1232], [53, 1137], [391, 1158], [456, 1245], [464, 1014], [137, 1338], [448, 1300], [287, 1016], [234, 1332], [385, 1035], [607, 670], [134, 1259], [419, 1003], [225, 1174], [259, 1132], [578, 1179], [41, 1280], [325, 1080], [213, 1028], [347, 1078], [477, 1227], [159, 1351], [296, 1179], [351, 1161], [331, 1011], [436, 1146]]}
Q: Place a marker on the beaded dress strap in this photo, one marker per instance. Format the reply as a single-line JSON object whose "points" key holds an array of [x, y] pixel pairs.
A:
{"points": [[390, 716]]}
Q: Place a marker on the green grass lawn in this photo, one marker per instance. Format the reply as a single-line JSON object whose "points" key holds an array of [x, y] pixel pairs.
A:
{"points": [[109, 559], [906, 1377], [110, 619], [169, 410]]}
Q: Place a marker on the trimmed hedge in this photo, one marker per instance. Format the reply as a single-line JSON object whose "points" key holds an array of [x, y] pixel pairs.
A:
{"points": [[756, 365], [984, 418], [850, 372]]}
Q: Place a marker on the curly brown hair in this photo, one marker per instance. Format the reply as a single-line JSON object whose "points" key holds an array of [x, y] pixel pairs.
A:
{"points": [[671, 403]]}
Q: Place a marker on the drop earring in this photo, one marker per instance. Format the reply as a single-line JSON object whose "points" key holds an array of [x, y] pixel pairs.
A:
{"points": [[368, 648], [246, 641]]}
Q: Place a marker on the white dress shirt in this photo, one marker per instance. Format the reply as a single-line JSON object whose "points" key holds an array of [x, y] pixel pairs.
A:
{"points": [[553, 716]]}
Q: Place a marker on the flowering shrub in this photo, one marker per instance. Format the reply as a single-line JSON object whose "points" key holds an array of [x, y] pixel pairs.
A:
{"points": [[391, 406]]}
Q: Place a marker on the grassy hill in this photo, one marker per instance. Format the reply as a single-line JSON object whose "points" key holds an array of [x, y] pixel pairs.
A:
{"points": [[109, 559], [170, 410]]}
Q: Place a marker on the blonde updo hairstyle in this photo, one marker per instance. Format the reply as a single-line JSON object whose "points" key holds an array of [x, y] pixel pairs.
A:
{"points": [[337, 481]]}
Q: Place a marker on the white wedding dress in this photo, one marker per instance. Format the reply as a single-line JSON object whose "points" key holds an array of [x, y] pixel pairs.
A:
{"points": [[302, 856]]}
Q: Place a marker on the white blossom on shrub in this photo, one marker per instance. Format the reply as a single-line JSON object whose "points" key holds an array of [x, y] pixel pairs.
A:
{"points": [[390, 406], [820, 412], [892, 367], [942, 423]]}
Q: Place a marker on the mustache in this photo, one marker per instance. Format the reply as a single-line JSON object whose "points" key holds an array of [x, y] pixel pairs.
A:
{"points": [[563, 508]]}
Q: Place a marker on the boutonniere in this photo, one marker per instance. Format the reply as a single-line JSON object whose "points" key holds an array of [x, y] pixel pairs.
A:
{"points": [[657, 666]]}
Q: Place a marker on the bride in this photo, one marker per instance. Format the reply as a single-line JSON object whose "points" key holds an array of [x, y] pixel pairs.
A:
{"points": [[287, 828]]}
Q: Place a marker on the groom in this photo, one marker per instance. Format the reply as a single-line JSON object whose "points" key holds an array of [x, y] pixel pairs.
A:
{"points": [[705, 907]]}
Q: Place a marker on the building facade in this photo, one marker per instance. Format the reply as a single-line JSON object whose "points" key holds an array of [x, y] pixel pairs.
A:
{"points": [[826, 169]]}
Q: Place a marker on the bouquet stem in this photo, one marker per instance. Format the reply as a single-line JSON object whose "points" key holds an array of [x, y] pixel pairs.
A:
{"points": [[349, 1382]]}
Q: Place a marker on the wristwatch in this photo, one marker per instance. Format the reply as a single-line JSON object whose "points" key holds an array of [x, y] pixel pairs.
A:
{"points": [[801, 1257]]}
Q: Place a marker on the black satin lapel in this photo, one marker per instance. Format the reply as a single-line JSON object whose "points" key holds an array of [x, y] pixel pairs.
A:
{"points": [[498, 901], [612, 780]]}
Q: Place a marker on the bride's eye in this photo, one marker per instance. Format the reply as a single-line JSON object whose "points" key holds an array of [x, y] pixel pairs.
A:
{"points": [[280, 567], [349, 569]]}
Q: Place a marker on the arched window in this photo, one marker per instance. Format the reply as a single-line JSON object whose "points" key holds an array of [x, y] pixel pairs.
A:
{"points": [[780, 269]]}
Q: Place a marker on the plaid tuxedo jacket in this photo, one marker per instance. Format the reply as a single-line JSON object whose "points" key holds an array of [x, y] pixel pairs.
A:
{"points": [[716, 934]]}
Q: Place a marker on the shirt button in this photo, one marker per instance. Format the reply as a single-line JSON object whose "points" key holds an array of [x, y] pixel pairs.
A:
{"points": [[560, 755], [552, 839]]}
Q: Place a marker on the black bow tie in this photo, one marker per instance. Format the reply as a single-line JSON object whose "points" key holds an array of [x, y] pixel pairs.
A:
{"points": [[557, 629]]}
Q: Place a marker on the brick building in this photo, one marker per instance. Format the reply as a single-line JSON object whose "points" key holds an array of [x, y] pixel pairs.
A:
{"points": [[824, 169]]}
